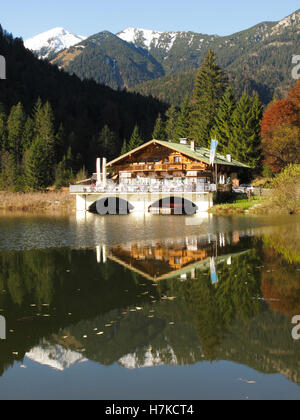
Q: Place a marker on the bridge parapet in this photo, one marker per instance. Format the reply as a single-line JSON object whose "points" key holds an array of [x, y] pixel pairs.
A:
{"points": [[141, 202]]}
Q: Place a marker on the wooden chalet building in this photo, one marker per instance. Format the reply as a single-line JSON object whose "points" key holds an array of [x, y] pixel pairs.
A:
{"points": [[161, 162]]}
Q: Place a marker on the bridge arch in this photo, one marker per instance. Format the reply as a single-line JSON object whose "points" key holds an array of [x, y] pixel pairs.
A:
{"points": [[111, 206], [173, 205]]}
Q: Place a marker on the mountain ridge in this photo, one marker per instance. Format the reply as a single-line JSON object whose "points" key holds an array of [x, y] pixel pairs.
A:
{"points": [[135, 56]]}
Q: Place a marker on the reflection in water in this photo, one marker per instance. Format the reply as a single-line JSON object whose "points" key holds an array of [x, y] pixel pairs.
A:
{"points": [[158, 260], [177, 301]]}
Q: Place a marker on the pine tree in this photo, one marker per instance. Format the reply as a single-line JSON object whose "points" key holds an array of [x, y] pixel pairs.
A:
{"points": [[135, 140], [42, 148], [37, 165], [64, 174], [223, 127], [210, 86], [47, 131], [171, 123], [245, 144], [10, 172], [61, 141], [38, 117], [15, 127], [28, 133], [182, 129], [159, 132], [107, 143], [124, 148]]}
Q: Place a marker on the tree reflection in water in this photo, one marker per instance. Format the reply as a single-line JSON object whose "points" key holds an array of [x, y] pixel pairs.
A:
{"points": [[62, 298]]}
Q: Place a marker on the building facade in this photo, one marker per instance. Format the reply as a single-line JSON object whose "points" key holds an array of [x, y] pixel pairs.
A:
{"points": [[161, 163]]}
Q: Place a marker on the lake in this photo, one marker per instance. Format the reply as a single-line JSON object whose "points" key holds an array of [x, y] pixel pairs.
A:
{"points": [[149, 307]]}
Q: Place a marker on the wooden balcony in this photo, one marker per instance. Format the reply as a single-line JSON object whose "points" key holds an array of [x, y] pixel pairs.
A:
{"points": [[155, 167]]}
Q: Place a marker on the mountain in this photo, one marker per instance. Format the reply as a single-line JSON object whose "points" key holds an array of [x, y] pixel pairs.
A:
{"points": [[109, 60], [51, 42], [54, 356], [164, 64], [176, 51], [259, 59]]}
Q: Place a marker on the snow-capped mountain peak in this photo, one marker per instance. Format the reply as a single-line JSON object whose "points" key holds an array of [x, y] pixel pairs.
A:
{"points": [[52, 41], [147, 38], [54, 356]]}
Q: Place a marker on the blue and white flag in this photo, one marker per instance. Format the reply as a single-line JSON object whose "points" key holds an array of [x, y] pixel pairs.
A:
{"points": [[213, 151], [213, 271]]}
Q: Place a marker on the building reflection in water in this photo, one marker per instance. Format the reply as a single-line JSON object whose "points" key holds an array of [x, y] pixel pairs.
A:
{"points": [[183, 258]]}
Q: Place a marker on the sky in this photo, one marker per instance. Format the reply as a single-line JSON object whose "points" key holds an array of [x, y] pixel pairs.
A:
{"points": [[222, 17]]}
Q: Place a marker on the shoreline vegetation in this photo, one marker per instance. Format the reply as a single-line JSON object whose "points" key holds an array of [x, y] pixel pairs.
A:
{"points": [[48, 201]]}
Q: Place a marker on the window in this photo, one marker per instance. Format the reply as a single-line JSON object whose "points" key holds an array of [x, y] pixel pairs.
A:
{"points": [[177, 159]]}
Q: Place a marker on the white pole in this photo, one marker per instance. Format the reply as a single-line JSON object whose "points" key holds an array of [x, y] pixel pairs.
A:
{"points": [[98, 248], [104, 254], [98, 168], [104, 171]]}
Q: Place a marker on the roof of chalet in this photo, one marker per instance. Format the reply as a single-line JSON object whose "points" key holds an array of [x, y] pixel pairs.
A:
{"points": [[199, 265], [201, 154]]}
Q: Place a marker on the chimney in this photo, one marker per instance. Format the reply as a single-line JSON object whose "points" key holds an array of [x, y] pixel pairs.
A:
{"points": [[98, 169], [193, 146], [229, 158], [183, 141]]}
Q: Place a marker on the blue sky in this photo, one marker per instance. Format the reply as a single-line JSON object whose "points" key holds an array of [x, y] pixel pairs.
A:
{"points": [[222, 17]]}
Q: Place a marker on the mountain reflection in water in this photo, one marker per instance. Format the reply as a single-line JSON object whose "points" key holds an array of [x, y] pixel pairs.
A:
{"points": [[151, 303]]}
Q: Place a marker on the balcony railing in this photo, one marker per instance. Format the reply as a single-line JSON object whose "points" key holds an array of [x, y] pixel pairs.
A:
{"points": [[131, 189], [156, 167]]}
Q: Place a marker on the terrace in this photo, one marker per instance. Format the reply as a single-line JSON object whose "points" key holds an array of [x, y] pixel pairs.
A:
{"points": [[156, 186]]}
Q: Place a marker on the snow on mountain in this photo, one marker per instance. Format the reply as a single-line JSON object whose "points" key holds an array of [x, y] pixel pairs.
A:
{"points": [[52, 41], [55, 356], [131, 361], [147, 38]]}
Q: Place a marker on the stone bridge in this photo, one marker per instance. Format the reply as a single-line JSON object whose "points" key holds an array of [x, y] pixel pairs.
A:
{"points": [[142, 202]]}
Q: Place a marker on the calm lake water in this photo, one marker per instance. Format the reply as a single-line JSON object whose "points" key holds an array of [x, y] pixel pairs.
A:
{"points": [[150, 307]]}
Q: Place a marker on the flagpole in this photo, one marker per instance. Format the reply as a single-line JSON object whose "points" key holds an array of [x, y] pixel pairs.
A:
{"points": [[213, 154]]}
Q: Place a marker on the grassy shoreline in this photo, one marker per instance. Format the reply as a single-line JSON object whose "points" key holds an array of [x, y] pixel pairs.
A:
{"points": [[240, 206], [258, 206], [49, 201]]}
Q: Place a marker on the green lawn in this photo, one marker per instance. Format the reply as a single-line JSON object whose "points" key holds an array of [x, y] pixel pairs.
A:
{"points": [[239, 205]]}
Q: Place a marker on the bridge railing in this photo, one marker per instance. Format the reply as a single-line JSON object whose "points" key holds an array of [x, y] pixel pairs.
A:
{"points": [[131, 189]]}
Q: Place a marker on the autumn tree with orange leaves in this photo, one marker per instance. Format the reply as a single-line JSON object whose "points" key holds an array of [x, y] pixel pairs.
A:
{"points": [[280, 131]]}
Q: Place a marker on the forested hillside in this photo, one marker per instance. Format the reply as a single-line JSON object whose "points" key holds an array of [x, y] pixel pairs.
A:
{"points": [[83, 119], [258, 59], [107, 59]]}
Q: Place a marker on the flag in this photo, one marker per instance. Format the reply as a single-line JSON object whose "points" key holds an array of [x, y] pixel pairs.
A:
{"points": [[213, 151], [213, 272]]}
